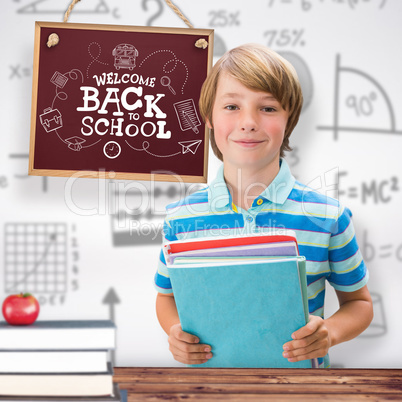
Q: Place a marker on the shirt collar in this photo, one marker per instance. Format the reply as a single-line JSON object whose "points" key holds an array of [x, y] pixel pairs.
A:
{"points": [[277, 192]]}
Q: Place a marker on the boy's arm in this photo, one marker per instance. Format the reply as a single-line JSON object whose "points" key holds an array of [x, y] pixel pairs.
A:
{"points": [[184, 347], [315, 338], [353, 317], [166, 311]]}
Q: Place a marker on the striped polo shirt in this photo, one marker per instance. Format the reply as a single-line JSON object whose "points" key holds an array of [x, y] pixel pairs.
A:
{"points": [[324, 230]]}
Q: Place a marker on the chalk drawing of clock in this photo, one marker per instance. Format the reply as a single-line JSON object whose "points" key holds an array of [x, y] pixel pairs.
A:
{"points": [[112, 149]]}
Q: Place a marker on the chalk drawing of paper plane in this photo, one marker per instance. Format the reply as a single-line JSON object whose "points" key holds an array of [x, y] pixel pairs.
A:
{"points": [[187, 115], [190, 146], [51, 119], [75, 143], [59, 80]]}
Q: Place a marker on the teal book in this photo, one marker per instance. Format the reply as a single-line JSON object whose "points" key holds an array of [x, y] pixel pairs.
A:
{"points": [[246, 309]]}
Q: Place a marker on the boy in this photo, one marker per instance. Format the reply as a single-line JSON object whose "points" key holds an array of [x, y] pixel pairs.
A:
{"points": [[251, 101]]}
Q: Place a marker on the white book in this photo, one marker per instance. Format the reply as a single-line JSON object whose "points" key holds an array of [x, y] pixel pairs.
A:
{"points": [[64, 335], [53, 361], [116, 397], [56, 384]]}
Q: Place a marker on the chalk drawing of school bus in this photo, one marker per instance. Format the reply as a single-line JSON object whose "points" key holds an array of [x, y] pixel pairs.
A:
{"points": [[124, 56]]}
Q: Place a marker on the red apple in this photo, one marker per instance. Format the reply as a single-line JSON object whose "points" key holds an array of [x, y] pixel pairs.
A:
{"points": [[21, 309]]}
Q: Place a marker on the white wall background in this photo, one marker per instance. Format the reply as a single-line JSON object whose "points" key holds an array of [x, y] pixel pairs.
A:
{"points": [[347, 146]]}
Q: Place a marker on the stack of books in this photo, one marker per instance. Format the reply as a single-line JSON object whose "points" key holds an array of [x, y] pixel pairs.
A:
{"points": [[243, 295], [58, 361]]}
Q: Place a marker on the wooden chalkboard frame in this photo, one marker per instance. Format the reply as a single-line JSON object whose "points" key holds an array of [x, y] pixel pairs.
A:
{"points": [[40, 39]]}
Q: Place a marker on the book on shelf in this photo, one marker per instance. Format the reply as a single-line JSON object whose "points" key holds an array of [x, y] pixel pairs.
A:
{"points": [[60, 335], [117, 396], [245, 307], [57, 384], [46, 361]]}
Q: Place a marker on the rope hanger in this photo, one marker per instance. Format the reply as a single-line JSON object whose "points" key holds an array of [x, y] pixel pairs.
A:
{"points": [[54, 39]]}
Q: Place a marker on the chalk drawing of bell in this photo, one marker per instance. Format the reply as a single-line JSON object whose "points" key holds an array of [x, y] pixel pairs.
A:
{"points": [[51, 119]]}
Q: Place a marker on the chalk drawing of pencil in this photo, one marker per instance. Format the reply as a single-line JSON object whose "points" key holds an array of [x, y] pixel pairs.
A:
{"points": [[193, 126]]}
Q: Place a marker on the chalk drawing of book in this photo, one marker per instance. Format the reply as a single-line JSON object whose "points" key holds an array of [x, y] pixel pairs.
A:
{"points": [[59, 80], [361, 105], [187, 115], [51, 119]]}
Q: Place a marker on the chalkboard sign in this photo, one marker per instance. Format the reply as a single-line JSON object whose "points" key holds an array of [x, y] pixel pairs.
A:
{"points": [[119, 99]]}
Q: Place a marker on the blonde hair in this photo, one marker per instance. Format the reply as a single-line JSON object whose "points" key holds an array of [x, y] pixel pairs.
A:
{"points": [[258, 68]]}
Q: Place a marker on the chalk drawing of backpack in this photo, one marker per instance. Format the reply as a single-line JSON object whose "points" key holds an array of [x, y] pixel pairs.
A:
{"points": [[51, 119]]}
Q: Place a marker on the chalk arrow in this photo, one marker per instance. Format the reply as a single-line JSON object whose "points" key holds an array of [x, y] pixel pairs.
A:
{"points": [[111, 298]]}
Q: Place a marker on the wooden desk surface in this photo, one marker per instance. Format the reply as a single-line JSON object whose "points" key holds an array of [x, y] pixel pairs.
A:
{"points": [[205, 384]]}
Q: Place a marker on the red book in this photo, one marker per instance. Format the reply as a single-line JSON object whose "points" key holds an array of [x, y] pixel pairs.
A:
{"points": [[232, 243]]}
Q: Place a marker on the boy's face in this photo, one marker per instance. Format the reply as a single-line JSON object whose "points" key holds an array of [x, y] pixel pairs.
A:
{"points": [[249, 126]]}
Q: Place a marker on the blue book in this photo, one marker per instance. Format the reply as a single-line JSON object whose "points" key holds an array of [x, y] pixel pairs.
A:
{"points": [[245, 309]]}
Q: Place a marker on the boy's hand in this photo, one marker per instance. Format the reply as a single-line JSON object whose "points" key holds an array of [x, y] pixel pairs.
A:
{"points": [[185, 347], [309, 342]]}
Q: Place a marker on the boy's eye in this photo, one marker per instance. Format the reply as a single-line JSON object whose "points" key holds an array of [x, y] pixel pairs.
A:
{"points": [[268, 109]]}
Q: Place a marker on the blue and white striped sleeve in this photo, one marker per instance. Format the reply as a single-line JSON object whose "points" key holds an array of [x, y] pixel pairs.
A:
{"points": [[348, 270], [161, 280]]}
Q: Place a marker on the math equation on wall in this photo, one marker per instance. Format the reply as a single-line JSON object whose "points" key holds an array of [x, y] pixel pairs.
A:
{"points": [[119, 99]]}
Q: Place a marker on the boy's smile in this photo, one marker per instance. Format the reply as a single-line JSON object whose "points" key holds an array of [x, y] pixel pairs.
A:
{"points": [[249, 125]]}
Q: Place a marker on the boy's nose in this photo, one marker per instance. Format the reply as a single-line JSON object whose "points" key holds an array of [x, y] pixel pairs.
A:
{"points": [[248, 123], [248, 129]]}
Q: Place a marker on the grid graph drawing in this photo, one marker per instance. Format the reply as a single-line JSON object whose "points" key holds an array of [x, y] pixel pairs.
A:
{"points": [[35, 257]]}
